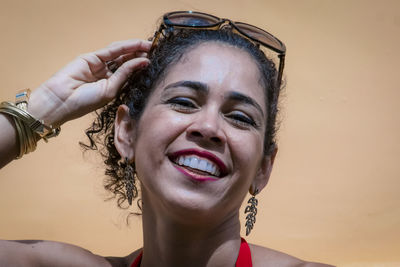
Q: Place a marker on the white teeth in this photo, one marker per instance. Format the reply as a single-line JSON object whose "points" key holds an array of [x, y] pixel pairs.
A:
{"points": [[186, 162], [209, 167], [194, 163], [213, 169], [203, 165], [199, 164]]}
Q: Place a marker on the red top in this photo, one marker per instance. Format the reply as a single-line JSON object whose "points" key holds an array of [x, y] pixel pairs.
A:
{"points": [[243, 259]]}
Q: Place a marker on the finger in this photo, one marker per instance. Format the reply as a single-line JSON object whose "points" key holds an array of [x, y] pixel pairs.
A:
{"points": [[141, 54], [124, 58], [97, 67], [120, 48], [98, 61], [113, 65], [116, 80]]}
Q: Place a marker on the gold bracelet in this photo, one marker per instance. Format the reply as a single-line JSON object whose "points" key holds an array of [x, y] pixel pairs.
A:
{"points": [[44, 131], [29, 129], [26, 137], [21, 139]]}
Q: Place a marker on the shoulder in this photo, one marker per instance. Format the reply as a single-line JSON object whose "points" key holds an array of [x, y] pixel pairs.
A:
{"points": [[50, 253], [264, 257]]}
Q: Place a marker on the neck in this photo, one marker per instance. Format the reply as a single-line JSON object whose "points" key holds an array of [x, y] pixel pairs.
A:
{"points": [[177, 242]]}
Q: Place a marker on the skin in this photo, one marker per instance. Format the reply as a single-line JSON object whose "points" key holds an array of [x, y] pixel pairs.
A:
{"points": [[185, 222]]}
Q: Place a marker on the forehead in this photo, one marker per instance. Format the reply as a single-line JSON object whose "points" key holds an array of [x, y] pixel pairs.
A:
{"points": [[222, 67]]}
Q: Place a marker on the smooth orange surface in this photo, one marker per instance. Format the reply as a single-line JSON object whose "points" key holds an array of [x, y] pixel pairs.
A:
{"points": [[334, 193]]}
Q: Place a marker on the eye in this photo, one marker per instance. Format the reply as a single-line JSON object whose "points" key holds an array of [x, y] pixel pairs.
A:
{"points": [[182, 104], [241, 119]]}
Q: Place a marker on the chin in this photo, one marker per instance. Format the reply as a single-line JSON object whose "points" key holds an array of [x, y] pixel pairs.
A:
{"points": [[190, 207]]}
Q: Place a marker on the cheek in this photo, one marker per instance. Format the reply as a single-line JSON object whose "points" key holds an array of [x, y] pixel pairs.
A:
{"points": [[161, 126], [247, 150], [157, 130]]}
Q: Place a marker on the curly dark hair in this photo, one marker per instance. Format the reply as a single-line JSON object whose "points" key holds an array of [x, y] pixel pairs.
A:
{"points": [[170, 49]]}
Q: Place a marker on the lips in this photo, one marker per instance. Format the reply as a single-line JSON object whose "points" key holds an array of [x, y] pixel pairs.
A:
{"points": [[199, 162]]}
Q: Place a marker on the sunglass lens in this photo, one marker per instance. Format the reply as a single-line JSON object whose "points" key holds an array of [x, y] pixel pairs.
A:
{"points": [[191, 19], [261, 35]]}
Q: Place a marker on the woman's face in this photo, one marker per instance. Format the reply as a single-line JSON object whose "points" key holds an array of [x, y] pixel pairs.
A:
{"points": [[199, 141]]}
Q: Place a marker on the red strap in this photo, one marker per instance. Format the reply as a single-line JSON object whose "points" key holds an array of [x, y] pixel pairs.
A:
{"points": [[244, 258], [138, 259]]}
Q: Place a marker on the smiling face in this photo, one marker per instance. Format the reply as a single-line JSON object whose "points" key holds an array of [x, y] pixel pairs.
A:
{"points": [[198, 145]]}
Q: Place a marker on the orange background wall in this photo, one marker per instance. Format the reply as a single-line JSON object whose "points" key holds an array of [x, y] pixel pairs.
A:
{"points": [[334, 195]]}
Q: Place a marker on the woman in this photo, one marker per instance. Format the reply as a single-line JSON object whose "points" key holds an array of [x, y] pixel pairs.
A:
{"points": [[194, 123]]}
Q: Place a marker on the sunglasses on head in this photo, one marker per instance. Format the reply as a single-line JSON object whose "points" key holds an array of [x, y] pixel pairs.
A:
{"points": [[203, 21]]}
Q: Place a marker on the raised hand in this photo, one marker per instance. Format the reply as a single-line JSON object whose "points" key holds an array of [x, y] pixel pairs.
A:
{"points": [[87, 83]]}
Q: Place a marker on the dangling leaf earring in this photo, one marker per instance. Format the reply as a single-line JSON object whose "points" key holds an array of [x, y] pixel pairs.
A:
{"points": [[252, 210], [129, 176]]}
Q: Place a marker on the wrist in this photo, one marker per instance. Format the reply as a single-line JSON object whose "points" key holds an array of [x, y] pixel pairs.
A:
{"points": [[42, 107]]}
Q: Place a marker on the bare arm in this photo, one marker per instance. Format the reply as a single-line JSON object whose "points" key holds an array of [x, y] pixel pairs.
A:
{"points": [[48, 253], [82, 86], [8, 140]]}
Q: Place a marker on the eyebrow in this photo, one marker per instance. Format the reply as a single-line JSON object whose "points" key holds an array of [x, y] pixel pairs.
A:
{"points": [[195, 85], [236, 96]]}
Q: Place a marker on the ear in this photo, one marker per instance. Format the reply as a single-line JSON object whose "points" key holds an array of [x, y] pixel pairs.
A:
{"points": [[124, 133], [264, 172]]}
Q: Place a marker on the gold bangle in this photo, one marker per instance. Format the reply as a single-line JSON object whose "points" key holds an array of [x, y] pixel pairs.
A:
{"points": [[44, 131], [21, 101], [29, 129], [21, 139], [26, 137]]}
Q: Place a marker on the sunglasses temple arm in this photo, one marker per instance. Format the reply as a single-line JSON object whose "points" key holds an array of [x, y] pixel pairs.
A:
{"points": [[155, 41], [156, 37], [280, 70]]}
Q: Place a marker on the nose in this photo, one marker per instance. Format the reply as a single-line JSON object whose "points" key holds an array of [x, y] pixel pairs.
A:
{"points": [[207, 128]]}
